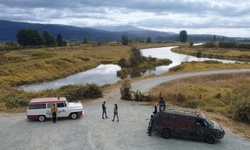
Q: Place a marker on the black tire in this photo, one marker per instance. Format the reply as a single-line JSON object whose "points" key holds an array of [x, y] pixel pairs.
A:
{"points": [[73, 116], [166, 133], [41, 118], [210, 139]]}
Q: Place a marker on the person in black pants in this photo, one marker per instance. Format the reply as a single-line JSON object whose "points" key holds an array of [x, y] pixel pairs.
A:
{"points": [[53, 111], [116, 113], [104, 110]]}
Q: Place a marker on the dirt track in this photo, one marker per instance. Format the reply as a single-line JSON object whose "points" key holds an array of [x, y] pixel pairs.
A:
{"points": [[93, 132]]}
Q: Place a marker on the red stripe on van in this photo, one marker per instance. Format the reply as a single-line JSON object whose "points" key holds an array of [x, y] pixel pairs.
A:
{"points": [[32, 117]]}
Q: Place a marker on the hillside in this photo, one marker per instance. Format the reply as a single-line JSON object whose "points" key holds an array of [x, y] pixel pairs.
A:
{"points": [[8, 31]]}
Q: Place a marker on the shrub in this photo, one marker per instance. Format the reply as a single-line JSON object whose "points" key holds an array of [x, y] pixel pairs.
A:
{"points": [[242, 111], [191, 104], [139, 96], [209, 45], [125, 90], [76, 92], [227, 44], [181, 97]]}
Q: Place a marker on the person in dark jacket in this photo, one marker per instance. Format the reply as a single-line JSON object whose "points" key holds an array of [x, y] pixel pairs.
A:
{"points": [[162, 104], [104, 113], [116, 113]]}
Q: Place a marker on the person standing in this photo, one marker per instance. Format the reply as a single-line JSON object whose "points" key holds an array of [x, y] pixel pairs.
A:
{"points": [[116, 113], [53, 111], [162, 104], [104, 110]]}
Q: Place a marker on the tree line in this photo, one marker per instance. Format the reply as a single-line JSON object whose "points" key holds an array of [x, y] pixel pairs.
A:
{"points": [[31, 37]]}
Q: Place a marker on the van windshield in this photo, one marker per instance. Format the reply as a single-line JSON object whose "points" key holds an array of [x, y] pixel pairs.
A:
{"points": [[66, 103], [209, 122]]}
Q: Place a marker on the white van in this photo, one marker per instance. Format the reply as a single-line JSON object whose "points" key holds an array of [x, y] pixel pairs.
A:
{"points": [[39, 108]]}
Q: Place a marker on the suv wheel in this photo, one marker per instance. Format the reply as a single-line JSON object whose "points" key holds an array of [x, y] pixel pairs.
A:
{"points": [[166, 133], [73, 116], [41, 118], [210, 139]]}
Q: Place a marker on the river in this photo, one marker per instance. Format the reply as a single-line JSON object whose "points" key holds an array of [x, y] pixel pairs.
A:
{"points": [[106, 74]]}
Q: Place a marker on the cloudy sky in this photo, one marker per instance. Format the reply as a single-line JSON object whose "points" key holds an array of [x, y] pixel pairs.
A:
{"points": [[223, 17]]}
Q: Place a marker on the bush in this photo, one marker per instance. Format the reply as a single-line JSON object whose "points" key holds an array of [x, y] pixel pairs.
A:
{"points": [[125, 90], [181, 97], [76, 92], [128, 94], [139, 96], [227, 44], [210, 45], [242, 111], [191, 104]]}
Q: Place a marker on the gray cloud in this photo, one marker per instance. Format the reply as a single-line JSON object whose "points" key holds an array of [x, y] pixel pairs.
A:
{"points": [[142, 13]]}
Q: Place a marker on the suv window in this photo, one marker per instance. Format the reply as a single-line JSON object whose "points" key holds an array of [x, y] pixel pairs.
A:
{"points": [[37, 106]]}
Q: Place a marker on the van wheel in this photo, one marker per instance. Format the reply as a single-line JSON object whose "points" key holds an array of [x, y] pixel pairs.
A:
{"points": [[166, 133], [210, 139], [41, 118], [73, 116]]}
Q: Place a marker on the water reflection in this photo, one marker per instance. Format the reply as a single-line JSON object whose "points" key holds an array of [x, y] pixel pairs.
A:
{"points": [[177, 59], [103, 74]]}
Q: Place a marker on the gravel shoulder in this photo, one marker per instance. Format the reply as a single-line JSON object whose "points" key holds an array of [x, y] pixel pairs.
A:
{"points": [[92, 132]]}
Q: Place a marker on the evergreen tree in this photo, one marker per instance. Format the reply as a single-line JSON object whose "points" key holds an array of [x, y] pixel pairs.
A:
{"points": [[183, 36], [59, 40], [148, 40], [48, 38], [28, 36], [85, 40], [124, 40]]}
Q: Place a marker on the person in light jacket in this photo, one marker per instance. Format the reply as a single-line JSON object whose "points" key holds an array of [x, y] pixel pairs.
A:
{"points": [[116, 113]]}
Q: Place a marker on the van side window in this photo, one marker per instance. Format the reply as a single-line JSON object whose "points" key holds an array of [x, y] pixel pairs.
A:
{"points": [[50, 105], [37, 106], [60, 104], [200, 122]]}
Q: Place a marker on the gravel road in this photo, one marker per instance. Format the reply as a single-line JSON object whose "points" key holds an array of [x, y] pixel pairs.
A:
{"points": [[91, 132]]}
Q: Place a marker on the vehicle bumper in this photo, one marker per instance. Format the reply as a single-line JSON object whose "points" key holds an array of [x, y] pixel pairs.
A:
{"points": [[220, 135]]}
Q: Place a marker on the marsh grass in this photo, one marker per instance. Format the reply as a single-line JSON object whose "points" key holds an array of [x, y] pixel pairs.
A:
{"points": [[219, 53], [222, 93], [207, 65], [34, 65]]}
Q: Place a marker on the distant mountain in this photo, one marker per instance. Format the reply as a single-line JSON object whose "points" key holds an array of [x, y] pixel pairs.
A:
{"points": [[117, 28], [8, 31]]}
